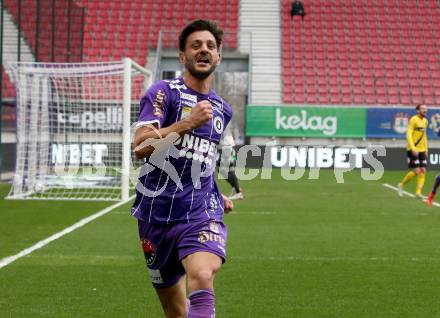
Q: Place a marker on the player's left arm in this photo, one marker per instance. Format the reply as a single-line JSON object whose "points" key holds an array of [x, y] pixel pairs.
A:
{"points": [[229, 206]]}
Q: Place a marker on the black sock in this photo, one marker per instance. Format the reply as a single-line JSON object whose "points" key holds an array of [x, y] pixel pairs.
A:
{"points": [[233, 181]]}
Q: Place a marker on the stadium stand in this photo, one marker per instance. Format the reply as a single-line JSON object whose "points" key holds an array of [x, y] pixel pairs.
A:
{"points": [[41, 43], [369, 53], [114, 29]]}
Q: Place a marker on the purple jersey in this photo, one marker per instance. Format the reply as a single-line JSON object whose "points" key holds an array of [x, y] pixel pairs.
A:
{"points": [[180, 186]]}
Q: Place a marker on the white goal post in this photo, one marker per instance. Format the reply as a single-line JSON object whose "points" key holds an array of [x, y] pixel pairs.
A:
{"points": [[73, 128]]}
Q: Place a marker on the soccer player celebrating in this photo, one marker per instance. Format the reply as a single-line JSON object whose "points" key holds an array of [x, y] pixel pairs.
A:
{"points": [[417, 149], [178, 204]]}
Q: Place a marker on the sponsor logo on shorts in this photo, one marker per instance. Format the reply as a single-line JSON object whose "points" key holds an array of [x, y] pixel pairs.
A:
{"points": [[213, 226], [149, 253], [155, 275], [205, 236]]}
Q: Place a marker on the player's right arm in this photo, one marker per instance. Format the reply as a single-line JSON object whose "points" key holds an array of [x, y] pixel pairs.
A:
{"points": [[409, 136], [147, 135], [229, 206]]}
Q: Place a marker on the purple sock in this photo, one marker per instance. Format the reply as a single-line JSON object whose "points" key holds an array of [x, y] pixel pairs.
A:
{"points": [[202, 304], [436, 184]]}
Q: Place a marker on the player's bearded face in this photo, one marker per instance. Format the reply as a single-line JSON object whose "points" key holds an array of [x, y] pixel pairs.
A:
{"points": [[200, 66], [201, 56], [423, 110]]}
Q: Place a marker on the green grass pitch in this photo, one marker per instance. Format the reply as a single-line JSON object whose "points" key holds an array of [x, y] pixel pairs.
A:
{"points": [[305, 248]]}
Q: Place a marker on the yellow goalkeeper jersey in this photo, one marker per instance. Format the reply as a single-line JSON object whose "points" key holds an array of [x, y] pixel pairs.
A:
{"points": [[416, 134]]}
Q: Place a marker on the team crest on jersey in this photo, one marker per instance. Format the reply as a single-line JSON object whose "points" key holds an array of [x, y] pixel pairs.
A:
{"points": [[218, 124], [149, 253], [400, 123]]}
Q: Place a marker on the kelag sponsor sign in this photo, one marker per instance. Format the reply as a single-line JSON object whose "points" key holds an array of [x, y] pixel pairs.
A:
{"points": [[292, 121], [392, 122]]}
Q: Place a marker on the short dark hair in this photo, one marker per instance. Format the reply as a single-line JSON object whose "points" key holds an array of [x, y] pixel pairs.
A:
{"points": [[201, 25], [418, 106]]}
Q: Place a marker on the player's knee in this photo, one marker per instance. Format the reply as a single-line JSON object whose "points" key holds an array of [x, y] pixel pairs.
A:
{"points": [[202, 277]]}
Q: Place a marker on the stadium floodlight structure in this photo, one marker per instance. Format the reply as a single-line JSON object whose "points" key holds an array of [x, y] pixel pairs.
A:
{"points": [[73, 128]]}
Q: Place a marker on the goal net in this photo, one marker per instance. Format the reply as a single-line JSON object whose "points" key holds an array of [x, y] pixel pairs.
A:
{"points": [[73, 128]]}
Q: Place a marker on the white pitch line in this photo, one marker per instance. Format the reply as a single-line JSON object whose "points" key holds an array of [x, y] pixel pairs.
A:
{"points": [[8, 260], [334, 259], [253, 212], [407, 193], [397, 189]]}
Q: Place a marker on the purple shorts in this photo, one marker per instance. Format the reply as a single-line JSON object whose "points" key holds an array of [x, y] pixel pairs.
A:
{"points": [[165, 246]]}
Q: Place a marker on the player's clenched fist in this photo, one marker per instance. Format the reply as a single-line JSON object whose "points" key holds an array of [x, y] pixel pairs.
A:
{"points": [[201, 113]]}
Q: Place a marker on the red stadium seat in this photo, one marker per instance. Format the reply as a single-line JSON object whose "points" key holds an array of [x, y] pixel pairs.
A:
{"points": [[429, 100], [346, 99], [373, 52], [299, 98], [123, 19], [405, 100]]}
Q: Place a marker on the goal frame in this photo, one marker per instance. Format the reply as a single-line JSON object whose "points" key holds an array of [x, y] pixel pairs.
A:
{"points": [[129, 66]]}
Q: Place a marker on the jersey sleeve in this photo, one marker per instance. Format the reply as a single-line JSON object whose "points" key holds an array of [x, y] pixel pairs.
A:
{"points": [[155, 104], [409, 134]]}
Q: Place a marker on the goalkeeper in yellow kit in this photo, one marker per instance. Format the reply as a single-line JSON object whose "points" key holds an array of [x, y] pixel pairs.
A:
{"points": [[417, 149]]}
